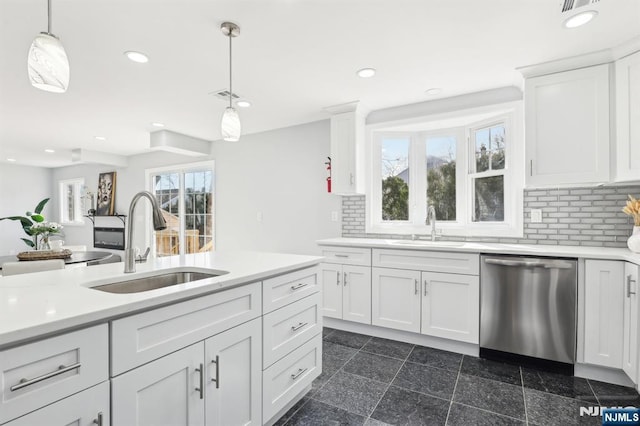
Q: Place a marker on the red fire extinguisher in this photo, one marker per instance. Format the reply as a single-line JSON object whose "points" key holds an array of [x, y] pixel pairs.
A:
{"points": [[328, 163]]}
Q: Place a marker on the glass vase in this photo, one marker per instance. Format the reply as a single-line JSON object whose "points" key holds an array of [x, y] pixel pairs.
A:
{"points": [[634, 240]]}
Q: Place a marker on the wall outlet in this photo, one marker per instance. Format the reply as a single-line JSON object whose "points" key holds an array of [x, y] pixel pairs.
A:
{"points": [[536, 215], [334, 216]]}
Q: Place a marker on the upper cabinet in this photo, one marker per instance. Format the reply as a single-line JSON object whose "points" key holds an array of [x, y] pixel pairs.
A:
{"points": [[347, 149], [567, 127], [628, 118]]}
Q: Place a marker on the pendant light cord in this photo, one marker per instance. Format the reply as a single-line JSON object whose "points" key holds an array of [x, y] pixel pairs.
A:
{"points": [[49, 17], [230, 69]]}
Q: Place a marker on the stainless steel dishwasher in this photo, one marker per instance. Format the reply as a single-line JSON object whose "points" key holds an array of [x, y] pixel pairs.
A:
{"points": [[528, 308]]}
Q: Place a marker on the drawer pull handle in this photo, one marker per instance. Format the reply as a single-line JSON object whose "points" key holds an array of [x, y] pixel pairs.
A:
{"points": [[415, 287], [28, 382], [299, 286], [299, 326], [629, 281], [300, 372], [217, 379], [338, 277], [346, 256], [201, 388], [426, 287], [98, 421], [345, 279]]}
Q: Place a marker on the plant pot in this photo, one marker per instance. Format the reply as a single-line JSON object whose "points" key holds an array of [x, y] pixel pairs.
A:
{"points": [[634, 240]]}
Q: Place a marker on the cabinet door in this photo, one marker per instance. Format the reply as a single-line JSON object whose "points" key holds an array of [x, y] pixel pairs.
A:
{"points": [[356, 294], [234, 376], [89, 407], [331, 279], [628, 118], [167, 391], [603, 304], [451, 306], [567, 127], [396, 299], [630, 330]]}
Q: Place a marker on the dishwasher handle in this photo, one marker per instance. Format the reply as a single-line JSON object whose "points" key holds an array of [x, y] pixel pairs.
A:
{"points": [[535, 263]]}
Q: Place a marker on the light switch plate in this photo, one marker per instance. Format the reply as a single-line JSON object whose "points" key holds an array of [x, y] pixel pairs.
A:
{"points": [[334, 216], [536, 215]]}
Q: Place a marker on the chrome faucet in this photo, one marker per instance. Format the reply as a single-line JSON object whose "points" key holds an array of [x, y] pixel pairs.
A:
{"points": [[158, 224], [431, 220]]}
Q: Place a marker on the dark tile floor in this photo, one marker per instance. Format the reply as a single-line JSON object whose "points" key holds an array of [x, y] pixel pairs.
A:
{"points": [[377, 382]]}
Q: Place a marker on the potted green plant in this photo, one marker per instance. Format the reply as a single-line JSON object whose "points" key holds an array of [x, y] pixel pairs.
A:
{"points": [[35, 226]]}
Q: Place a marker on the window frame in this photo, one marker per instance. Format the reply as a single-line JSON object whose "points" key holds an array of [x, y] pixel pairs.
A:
{"points": [[510, 113], [78, 184]]}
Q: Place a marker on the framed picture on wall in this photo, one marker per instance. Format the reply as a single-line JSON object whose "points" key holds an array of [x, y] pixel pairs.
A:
{"points": [[106, 205]]}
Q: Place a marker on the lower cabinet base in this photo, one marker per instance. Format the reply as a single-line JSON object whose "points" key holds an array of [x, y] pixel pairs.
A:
{"points": [[404, 336], [603, 374], [287, 407]]}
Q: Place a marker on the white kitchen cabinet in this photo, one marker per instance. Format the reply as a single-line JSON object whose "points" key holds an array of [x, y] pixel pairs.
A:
{"points": [[630, 322], [451, 306], [167, 391], [603, 313], [567, 127], [628, 118], [347, 149], [89, 407], [395, 297], [346, 292], [233, 389]]}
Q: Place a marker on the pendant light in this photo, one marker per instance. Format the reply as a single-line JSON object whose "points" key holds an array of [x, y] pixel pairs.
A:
{"points": [[47, 63], [230, 125]]}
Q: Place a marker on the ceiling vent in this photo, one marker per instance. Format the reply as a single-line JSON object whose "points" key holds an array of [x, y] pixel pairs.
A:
{"points": [[571, 5], [576, 13], [224, 95]]}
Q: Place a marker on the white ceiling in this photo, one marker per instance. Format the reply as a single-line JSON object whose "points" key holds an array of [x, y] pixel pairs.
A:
{"points": [[292, 59]]}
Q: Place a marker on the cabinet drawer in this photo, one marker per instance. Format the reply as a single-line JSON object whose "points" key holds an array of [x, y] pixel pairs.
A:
{"points": [[39, 373], [289, 327], [434, 261], [347, 255], [141, 338], [284, 289], [289, 376]]}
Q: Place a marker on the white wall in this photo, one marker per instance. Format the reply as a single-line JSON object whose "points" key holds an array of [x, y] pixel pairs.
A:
{"points": [[21, 189], [279, 173]]}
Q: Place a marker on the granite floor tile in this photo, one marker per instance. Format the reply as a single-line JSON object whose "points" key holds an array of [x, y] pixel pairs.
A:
{"points": [[374, 422], [340, 352], [490, 395], [390, 348], [493, 370], [376, 367], [346, 338], [463, 415], [548, 409], [330, 365], [316, 413], [610, 395], [403, 407], [327, 331], [286, 416], [355, 394], [425, 379], [435, 358], [558, 384]]}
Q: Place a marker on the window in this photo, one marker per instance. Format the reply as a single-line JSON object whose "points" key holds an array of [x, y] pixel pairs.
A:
{"points": [[185, 195], [70, 201], [463, 165]]}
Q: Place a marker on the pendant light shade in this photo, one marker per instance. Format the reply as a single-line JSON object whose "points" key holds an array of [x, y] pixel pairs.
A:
{"points": [[47, 62], [230, 126]]}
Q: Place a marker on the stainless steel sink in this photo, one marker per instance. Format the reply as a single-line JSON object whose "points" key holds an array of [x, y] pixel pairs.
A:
{"points": [[156, 281]]}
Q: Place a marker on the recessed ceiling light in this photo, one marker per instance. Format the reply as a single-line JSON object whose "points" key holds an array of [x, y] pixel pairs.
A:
{"points": [[156, 124], [243, 104], [49, 151], [100, 138], [138, 57], [13, 160], [580, 19], [366, 72], [433, 91]]}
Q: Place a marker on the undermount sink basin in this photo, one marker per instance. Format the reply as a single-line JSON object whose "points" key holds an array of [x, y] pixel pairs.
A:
{"points": [[153, 282], [422, 243]]}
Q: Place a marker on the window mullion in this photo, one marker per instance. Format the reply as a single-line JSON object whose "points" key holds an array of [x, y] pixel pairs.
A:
{"points": [[418, 185], [181, 213]]}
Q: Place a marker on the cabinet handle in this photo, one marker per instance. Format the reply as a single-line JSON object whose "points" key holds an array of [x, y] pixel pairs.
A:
{"points": [[345, 279], [415, 285], [201, 374], [217, 379], [299, 326], [530, 167], [28, 382], [426, 285], [98, 421], [337, 277], [299, 373], [299, 286], [351, 178], [342, 255], [629, 281]]}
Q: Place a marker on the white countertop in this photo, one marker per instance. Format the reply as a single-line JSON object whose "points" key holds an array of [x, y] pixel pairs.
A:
{"points": [[494, 248], [37, 304]]}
